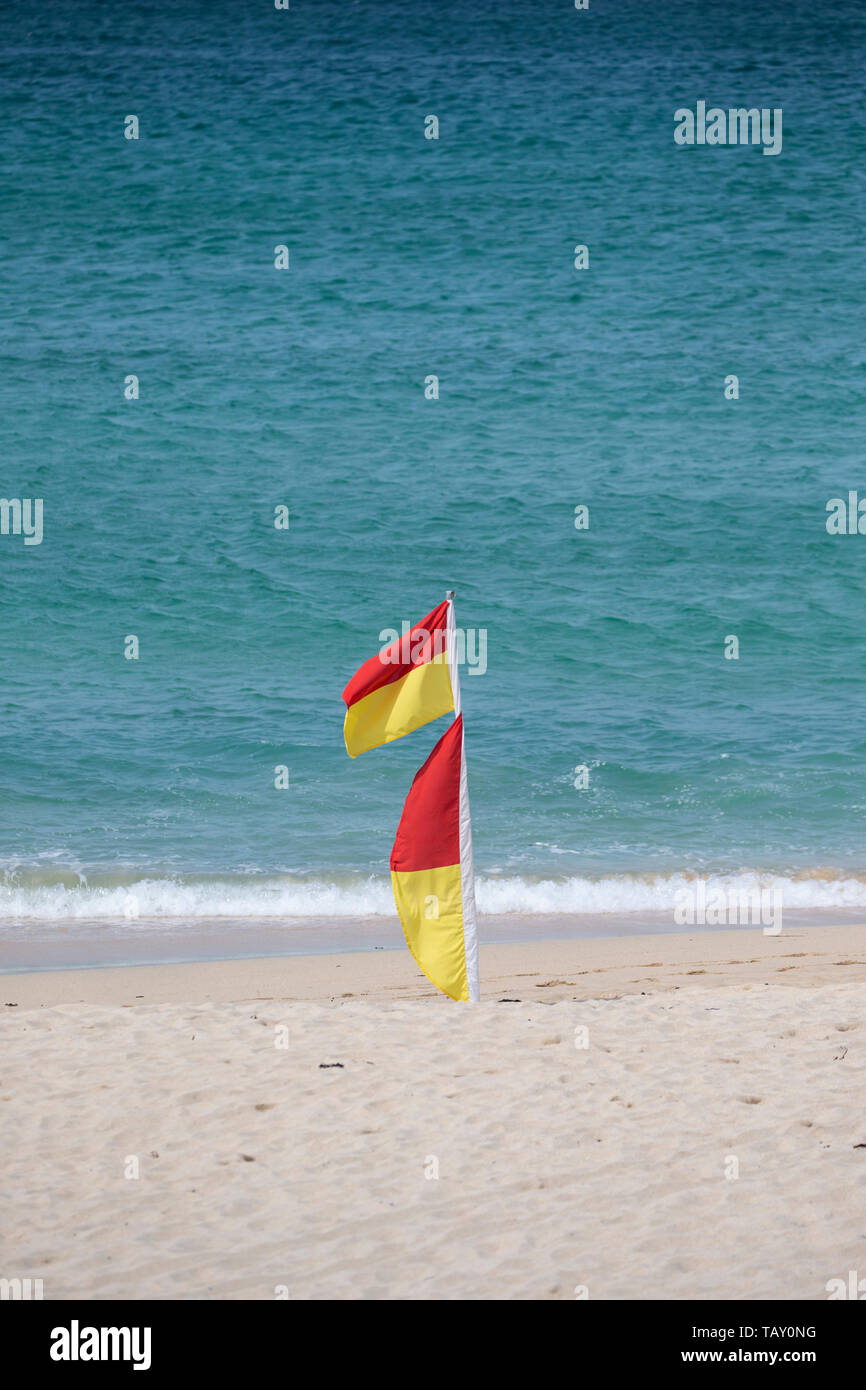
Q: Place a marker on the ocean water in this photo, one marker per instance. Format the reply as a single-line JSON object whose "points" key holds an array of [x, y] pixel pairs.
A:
{"points": [[144, 789]]}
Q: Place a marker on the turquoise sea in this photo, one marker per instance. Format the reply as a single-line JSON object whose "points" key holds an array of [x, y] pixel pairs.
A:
{"points": [[135, 790]]}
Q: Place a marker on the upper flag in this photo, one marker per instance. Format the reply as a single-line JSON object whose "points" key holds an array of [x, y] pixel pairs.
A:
{"points": [[432, 873], [406, 685]]}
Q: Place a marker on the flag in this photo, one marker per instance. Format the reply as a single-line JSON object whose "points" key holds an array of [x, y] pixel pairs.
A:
{"points": [[431, 870], [410, 682], [404, 686]]}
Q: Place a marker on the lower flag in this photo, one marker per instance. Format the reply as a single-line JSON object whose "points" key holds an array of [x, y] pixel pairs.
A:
{"points": [[432, 874]]}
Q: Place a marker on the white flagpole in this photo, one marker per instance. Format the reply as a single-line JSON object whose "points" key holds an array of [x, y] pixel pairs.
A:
{"points": [[467, 867]]}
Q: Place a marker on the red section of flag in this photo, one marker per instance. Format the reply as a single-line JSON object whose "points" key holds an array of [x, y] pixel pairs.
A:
{"points": [[401, 656], [428, 836]]}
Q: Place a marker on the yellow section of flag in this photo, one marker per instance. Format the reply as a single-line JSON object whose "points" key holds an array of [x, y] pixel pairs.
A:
{"points": [[430, 905], [395, 709]]}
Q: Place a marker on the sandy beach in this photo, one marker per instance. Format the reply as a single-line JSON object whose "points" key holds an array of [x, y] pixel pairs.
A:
{"points": [[649, 1117]]}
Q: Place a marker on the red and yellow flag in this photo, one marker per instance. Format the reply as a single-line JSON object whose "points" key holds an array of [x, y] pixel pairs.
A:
{"points": [[410, 682], [404, 686], [431, 870]]}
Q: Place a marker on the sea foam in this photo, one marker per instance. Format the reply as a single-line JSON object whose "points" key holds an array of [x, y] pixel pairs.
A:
{"points": [[276, 896]]}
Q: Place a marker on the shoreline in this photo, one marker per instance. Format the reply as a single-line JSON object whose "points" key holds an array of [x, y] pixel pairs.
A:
{"points": [[565, 968], [32, 946]]}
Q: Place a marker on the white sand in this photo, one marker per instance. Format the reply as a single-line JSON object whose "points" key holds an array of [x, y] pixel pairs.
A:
{"points": [[558, 1166]]}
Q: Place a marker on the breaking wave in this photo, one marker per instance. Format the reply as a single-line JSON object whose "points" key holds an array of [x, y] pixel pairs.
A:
{"points": [[55, 895]]}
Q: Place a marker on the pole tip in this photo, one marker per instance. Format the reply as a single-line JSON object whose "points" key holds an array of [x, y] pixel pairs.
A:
{"points": [[449, 593]]}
